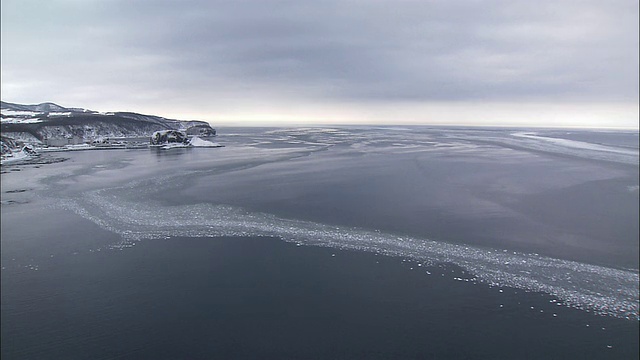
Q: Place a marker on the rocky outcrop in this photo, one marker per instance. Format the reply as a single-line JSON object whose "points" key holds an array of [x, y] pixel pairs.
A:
{"points": [[201, 130], [169, 137]]}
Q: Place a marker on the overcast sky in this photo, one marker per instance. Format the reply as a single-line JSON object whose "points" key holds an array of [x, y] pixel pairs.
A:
{"points": [[533, 62]]}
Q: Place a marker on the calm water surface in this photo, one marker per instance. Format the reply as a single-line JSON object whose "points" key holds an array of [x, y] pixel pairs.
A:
{"points": [[398, 243]]}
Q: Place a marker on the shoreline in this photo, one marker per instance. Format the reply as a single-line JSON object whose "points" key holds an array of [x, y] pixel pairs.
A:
{"points": [[195, 142]]}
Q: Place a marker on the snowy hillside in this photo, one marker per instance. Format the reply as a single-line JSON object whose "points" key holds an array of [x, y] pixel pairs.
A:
{"points": [[43, 122]]}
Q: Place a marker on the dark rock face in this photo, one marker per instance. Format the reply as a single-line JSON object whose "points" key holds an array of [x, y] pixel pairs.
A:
{"points": [[29, 150], [201, 130], [169, 136]]}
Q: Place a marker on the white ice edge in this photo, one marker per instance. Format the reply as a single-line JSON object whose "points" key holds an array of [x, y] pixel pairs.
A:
{"points": [[575, 144], [603, 290]]}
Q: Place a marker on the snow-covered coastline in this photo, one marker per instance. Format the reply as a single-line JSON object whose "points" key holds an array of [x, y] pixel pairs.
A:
{"points": [[24, 153], [15, 156], [49, 127]]}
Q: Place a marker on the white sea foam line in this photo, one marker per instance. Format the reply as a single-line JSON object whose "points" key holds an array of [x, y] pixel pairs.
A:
{"points": [[576, 144], [603, 290], [572, 147]]}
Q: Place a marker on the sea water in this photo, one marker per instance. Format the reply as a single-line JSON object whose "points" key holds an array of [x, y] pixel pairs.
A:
{"points": [[514, 222]]}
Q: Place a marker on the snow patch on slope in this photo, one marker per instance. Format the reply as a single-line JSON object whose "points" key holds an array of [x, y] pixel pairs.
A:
{"points": [[198, 142]]}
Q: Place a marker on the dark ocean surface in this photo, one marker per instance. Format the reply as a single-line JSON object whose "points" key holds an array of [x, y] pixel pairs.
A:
{"points": [[339, 243]]}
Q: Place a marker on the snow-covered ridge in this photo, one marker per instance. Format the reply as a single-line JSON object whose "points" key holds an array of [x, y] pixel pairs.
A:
{"points": [[40, 108], [52, 124]]}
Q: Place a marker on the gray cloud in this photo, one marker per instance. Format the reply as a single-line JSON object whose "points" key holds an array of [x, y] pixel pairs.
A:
{"points": [[364, 51]]}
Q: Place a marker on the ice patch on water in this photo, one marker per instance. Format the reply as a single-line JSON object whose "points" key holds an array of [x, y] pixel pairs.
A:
{"points": [[576, 144], [603, 290], [575, 148]]}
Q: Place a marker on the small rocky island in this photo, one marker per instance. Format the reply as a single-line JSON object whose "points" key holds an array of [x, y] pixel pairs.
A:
{"points": [[169, 137], [166, 139]]}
